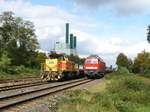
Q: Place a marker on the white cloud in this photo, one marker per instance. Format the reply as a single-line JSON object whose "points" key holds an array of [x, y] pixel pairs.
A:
{"points": [[121, 7], [49, 20], [109, 47], [50, 27], [135, 48]]}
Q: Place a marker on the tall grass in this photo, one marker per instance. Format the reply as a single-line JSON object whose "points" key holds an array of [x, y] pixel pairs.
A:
{"points": [[125, 93]]}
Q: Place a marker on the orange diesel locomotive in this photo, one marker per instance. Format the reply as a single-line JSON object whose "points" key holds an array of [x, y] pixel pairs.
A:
{"points": [[94, 67], [59, 67]]}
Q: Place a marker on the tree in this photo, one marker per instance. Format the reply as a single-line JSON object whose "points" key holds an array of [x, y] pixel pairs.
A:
{"points": [[75, 59], [142, 62], [130, 65], [5, 61], [122, 60], [17, 37], [36, 59]]}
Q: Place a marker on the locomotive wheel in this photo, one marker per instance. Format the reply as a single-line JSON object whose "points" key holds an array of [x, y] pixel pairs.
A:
{"points": [[100, 75], [56, 76], [53, 76]]}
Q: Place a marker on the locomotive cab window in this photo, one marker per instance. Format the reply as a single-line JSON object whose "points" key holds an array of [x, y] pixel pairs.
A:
{"points": [[91, 61]]}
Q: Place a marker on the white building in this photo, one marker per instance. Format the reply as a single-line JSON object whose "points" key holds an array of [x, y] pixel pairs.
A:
{"points": [[69, 46]]}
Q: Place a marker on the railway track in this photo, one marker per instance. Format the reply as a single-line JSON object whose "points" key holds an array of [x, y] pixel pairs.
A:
{"points": [[14, 84], [15, 96], [19, 80], [20, 85]]}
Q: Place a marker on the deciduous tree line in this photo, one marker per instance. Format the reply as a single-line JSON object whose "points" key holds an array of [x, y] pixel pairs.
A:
{"points": [[18, 42], [140, 64]]}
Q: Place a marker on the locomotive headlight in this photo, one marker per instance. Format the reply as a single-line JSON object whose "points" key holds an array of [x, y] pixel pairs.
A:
{"points": [[91, 67], [94, 67]]}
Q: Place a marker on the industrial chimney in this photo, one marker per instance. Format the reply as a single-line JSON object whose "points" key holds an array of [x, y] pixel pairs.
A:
{"points": [[67, 34], [75, 42], [71, 41]]}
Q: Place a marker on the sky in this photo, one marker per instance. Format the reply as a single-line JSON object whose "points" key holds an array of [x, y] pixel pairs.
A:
{"points": [[102, 27]]}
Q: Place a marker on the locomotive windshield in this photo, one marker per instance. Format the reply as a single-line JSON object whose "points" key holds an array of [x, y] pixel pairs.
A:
{"points": [[91, 61]]}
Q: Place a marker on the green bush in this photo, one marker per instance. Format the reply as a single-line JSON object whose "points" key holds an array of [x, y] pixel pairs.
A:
{"points": [[125, 106], [130, 93], [146, 73], [125, 93], [15, 69], [5, 61], [123, 70]]}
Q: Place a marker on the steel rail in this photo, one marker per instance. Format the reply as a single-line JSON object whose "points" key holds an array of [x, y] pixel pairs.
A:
{"points": [[11, 100], [35, 88], [18, 80], [22, 85]]}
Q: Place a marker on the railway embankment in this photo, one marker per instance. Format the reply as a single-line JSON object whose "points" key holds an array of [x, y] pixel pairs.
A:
{"points": [[117, 92]]}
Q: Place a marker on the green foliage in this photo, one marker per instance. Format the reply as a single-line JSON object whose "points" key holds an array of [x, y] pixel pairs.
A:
{"points": [[130, 65], [76, 59], [147, 75], [123, 70], [5, 61], [36, 58], [122, 60], [18, 44], [142, 62], [34, 63], [130, 94], [18, 72], [123, 94], [17, 37], [87, 102], [40, 58]]}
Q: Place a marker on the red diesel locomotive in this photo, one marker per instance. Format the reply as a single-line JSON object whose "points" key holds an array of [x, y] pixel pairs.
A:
{"points": [[94, 67]]}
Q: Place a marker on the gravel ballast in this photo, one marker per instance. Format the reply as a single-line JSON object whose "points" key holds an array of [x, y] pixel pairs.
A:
{"points": [[47, 103]]}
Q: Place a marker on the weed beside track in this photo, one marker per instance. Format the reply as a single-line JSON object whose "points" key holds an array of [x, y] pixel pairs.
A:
{"points": [[123, 93]]}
